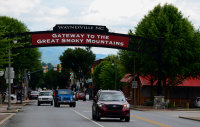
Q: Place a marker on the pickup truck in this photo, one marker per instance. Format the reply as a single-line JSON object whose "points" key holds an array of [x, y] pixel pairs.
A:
{"points": [[64, 96]]}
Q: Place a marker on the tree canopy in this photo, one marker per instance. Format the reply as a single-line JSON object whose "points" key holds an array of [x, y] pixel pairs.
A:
{"points": [[181, 45]]}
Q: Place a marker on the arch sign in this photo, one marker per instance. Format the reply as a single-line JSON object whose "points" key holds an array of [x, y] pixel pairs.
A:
{"points": [[95, 36]]}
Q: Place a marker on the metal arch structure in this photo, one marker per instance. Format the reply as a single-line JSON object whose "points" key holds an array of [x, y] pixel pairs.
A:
{"points": [[94, 36]]}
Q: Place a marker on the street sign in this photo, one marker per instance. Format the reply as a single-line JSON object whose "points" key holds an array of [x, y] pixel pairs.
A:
{"points": [[12, 73], [134, 84], [1, 73], [55, 67]]}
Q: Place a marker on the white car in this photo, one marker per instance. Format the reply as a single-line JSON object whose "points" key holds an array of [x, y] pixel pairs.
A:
{"points": [[12, 96], [45, 97]]}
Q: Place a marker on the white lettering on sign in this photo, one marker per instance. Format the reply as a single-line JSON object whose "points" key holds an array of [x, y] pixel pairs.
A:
{"points": [[67, 35], [77, 27], [39, 41], [79, 38], [72, 40], [105, 42]]}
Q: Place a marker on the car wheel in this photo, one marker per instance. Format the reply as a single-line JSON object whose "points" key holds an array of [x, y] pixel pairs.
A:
{"points": [[84, 100], [58, 105], [12, 98], [74, 105], [127, 119], [93, 116], [52, 103], [76, 99], [55, 104], [70, 105], [38, 103], [97, 118]]}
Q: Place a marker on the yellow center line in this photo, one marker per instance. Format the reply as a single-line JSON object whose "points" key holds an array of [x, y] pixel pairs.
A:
{"points": [[150, 121]]}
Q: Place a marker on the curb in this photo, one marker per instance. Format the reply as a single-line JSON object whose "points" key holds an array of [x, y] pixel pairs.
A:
{"points": [[189, 118], [6, 119]]}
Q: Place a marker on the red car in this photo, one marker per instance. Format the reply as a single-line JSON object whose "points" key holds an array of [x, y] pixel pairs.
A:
{"points": [[33, 95], [80, 96], [110, 104]]}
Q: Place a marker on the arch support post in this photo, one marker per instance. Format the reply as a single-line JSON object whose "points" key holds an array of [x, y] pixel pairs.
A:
{"points": [[159, 60]]}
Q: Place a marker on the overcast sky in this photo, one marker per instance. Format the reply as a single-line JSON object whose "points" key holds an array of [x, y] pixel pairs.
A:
{"points": [[117, 15]]}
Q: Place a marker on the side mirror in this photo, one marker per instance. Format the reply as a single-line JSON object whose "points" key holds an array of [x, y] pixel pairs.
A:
{"points": [[95, 99], [129, 100]]}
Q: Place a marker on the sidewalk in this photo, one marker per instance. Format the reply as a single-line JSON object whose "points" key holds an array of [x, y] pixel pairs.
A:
{"points": [[5, 114], [150, 108]]}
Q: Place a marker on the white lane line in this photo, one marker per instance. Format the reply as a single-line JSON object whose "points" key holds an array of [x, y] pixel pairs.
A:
{"points": [[87, 118]]}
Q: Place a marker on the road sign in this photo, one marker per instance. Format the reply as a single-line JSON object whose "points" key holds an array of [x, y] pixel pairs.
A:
{"points": [[12, 73], [1, 73], [134, 84]]}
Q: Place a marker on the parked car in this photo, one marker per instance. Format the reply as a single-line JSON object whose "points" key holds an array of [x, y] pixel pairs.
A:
{"points": [[111, 104], [33, 95], [12, 96], [80, 96], [196, 102], [45, 97]]}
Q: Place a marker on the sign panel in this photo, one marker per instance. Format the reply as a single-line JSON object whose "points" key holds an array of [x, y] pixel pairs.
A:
{"points": [[134, 84], [80, 38], [1, 73]]}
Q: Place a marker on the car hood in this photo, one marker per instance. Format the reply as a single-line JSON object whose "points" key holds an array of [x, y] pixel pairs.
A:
{"points": [[45, 97], [113, 102]]}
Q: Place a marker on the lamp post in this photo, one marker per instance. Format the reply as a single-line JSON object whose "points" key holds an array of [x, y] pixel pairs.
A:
{"points": [[115, 73], [134, 80], [9, 83]]}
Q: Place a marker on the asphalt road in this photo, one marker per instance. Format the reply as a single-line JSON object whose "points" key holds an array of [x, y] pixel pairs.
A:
{"points": [[81, 116]]}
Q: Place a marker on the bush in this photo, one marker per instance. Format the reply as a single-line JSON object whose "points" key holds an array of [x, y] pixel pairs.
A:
{"points": [[149, 103]]}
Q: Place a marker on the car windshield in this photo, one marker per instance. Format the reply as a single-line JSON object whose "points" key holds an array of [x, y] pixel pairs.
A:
{"points": [[111, 96], [44, 94], [64, 92], [34, 92]]}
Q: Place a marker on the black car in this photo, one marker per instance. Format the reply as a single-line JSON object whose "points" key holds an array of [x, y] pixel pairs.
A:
{"points": [[111, 104]]}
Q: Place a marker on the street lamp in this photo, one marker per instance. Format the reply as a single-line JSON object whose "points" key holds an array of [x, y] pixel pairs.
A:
{"points": [[9, 70], [115, 73], [134, 80]]}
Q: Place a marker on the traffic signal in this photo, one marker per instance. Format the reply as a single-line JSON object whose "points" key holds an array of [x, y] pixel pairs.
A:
{"points": [[59, 68], [70, 71], [91, 70], [46, 68]]}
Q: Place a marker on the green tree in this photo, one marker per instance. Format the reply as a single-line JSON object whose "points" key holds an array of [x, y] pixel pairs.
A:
{"points": [[8, 28], [79, 60], [104, 73], [181, 48]]}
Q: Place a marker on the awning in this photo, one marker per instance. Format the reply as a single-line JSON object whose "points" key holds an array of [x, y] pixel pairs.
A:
{"points": [[190, 82], [127, 78]]}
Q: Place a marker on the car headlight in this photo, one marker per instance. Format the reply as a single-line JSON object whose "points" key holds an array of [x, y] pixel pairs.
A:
{"points": [[50, 99], [127, 106], [39, 98], [100, 105]]}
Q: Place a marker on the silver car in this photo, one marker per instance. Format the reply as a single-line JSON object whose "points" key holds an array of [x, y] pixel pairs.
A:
{"points": [[196, 102]]}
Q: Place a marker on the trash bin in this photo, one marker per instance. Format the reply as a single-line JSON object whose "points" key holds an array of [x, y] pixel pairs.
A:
{"points": [[18, 96]]}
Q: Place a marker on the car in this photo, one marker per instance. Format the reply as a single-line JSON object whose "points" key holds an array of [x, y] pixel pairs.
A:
{"points": [[110, 104], [80, 96], [33, 95], [65, 97], [45, 97], [12, 96], [196, 102]]}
